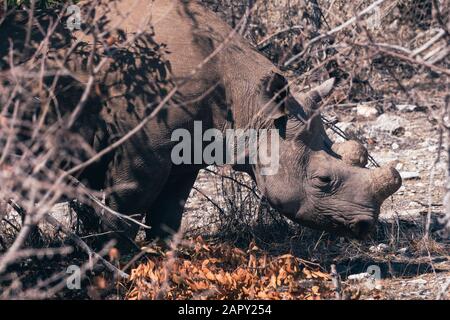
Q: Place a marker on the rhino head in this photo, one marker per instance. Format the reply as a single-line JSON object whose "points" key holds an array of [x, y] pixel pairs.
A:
{"points": [[320, 185]]}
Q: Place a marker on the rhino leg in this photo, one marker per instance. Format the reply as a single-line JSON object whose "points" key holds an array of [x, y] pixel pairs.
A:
{"points": [[136, 186], [164, 216]]}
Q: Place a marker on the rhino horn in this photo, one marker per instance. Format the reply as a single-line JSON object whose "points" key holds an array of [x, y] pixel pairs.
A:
{"points": [[352, 153], [385, 182]]}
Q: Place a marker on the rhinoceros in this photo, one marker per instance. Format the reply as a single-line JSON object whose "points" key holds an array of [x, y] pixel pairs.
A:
{"points": [[223, 82]]}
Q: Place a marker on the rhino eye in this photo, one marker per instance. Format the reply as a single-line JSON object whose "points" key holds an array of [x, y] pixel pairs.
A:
{"points": [[324, 180]]}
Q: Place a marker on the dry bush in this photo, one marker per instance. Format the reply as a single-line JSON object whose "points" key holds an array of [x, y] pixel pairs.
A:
{"points": [[240, 214], [49, 97]]}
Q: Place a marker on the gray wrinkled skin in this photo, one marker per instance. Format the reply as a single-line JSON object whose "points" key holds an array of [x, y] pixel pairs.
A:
{"points": [[314, 186]]}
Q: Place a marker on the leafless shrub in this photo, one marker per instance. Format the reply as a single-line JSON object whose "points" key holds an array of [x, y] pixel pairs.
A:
{"points": [[242, 214], [48, 78]]}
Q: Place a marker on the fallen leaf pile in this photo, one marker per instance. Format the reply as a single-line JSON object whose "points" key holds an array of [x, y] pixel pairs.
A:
{"points": [[218, 271]]}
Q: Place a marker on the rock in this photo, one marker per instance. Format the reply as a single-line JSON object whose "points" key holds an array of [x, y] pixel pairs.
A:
{"points": [[379, 248], [395, 146], [61, 212], [390, 123], [409, 175], [432, 149], [439, 183], [366, 111], [365, 279], [386, 157], [15, 221], [406, 107], [64, 214], [399, 166], [348, 128], [359, 276], [409, 108], [418, 281]]}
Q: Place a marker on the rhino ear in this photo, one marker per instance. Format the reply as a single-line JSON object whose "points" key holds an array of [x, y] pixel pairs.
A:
{"points": [[277, 89]]}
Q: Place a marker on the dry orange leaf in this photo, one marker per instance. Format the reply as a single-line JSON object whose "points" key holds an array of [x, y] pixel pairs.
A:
{"points": [[307, 273], [320, 274], [315, 290], [177, 279], [210, 276]]}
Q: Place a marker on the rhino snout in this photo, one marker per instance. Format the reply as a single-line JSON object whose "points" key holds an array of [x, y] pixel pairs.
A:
{"points": [[362, 226]]}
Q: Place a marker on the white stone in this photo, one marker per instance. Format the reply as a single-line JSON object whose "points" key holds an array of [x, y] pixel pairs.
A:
{"points": [[406, 107], [409, 175], [359, 276], [366, 111], [379, 248], [389, 123], [419, 281]]}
